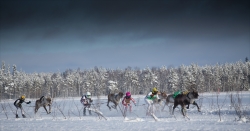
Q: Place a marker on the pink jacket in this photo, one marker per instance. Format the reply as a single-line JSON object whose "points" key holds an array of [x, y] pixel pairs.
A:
{"points": [[126, 101]]}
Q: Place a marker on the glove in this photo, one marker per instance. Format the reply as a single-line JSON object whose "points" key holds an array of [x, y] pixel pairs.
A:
{"points": [[135, 104], [159, 100], [90, 101], [29, 102]]}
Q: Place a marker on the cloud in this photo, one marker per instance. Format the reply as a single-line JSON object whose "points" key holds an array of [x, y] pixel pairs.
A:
{"points": [[51, 35]]}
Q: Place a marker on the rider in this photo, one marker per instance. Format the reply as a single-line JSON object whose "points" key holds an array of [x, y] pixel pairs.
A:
{"points": [[149, 99], [126, 101], [18, 104], [86, 101]]}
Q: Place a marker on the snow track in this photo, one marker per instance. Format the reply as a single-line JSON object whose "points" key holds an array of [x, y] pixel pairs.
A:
{"points": [[104, 119]]}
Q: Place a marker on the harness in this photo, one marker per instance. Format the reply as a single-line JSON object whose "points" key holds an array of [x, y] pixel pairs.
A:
{"points": [[192, 101], [41, 98], [115, 98], [45, 102], [188, 96]]}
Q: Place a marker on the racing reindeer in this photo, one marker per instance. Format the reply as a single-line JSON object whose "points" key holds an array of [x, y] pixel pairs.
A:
{"points": [[185, 99], [115, 98], [43, 101]]}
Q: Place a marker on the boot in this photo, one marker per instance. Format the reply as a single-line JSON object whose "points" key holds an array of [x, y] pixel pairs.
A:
{"points": [[23, 116], [84, 111], [17, 116], [90, 112]]}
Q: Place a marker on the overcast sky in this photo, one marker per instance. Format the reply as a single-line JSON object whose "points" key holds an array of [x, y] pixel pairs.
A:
{"points": [[52, 36]]}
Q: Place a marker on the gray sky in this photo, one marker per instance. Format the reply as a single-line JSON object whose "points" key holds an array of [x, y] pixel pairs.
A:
{"points": [[45, 36]]}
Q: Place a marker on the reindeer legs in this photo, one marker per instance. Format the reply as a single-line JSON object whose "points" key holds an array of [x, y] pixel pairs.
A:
{"points": [[175, 105], [108, 105], [197, 106], [49, 109], [183, 110], [36, 109], [45, 109]]}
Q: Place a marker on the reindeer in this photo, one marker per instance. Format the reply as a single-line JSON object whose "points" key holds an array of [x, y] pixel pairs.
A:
{"points": [[115, 98], [185, 99], [170, 102], [43, 102], [160, 103], [162, 95]]}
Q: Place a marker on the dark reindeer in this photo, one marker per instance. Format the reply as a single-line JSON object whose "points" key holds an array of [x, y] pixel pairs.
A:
{"points": [[184, 100], [115, 99], [170, 103], [43, 102]]}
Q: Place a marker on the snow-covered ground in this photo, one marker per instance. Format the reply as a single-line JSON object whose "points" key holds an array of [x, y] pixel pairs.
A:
{"points": [[65, 116]]}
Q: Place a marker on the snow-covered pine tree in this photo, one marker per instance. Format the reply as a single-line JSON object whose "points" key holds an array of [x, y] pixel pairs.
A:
{"points": [[173, 81]]}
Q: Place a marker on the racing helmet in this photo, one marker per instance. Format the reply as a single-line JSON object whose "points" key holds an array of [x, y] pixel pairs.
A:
{"points": [[128, 94], [22, 97], [154, 90], [88, 94]]}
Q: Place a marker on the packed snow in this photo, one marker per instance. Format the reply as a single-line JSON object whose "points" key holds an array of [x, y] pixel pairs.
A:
{"points": [[67, 115]]}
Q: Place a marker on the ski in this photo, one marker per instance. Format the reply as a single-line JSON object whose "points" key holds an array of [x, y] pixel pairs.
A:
{"points": [[155, 118], [126, 119], [187, 117], [175, 117], [97, 112]]}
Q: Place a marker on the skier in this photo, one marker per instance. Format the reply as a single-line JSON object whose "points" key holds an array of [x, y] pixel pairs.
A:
{"points": [[126, 101], [18, 104], [149, 99], [86, 101]]}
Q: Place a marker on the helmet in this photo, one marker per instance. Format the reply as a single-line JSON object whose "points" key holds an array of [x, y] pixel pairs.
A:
{"points": [[22, 97], [154, 90], [88, 94], [128, 94]]}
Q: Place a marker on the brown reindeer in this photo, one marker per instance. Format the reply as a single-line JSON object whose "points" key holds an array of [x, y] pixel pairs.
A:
{"points": [[43, 102], [115, 98], [162, 95]]}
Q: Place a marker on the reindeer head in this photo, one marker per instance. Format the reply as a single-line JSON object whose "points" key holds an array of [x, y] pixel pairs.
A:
{"points": [[49, 100], [195, 94], [120, 94], [163, 94]]}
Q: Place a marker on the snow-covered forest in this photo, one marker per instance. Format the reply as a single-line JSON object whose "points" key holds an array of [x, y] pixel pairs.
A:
{"points": [[219, 111], [99, 81]]}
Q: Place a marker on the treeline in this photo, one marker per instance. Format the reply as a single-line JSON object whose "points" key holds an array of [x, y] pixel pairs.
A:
{"points": [[99, 81]]}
